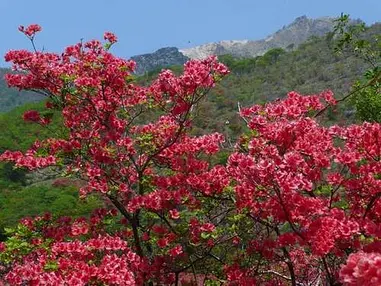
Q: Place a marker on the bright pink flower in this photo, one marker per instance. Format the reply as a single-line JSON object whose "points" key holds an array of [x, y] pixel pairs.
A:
{"points": [[31, 30], [110, 37], [362, 269]]}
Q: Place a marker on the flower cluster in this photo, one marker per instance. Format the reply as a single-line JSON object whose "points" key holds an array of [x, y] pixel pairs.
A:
{"points": [[70, 260], [110, 37], [31, 30], [313, 188], [362, 269]]}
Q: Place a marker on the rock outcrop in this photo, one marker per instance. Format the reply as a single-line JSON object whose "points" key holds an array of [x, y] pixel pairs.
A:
{"points": [[163, 57]]}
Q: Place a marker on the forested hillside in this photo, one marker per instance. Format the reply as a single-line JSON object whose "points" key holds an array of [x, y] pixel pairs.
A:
{"points": [[310, 69]]}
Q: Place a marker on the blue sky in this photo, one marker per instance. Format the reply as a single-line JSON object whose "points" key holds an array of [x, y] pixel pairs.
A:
{"points": [[145, 25]]}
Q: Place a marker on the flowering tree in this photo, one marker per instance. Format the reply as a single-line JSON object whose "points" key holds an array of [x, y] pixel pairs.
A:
{"points": [[296, 204], [309, 193]]}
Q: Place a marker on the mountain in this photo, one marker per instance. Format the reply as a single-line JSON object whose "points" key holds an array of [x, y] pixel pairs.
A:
{"points": [[288, 37], [163, 57]]}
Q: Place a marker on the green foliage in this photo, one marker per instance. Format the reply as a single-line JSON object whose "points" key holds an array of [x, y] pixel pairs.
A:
{"points": [[11, 175], [368, 102], [18, 244], [365, 44], [38, 199], [20, 135]]}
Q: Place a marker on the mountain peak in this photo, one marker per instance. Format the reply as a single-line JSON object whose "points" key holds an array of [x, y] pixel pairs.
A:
{"points": [[301, 19]]}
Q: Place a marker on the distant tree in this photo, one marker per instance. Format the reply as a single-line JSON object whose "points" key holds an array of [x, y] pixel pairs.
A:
{"points": [[366, 92]]}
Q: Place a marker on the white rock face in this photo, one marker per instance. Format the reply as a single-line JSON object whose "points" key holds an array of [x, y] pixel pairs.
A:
{"points": [[219, 48], [200, 52]]}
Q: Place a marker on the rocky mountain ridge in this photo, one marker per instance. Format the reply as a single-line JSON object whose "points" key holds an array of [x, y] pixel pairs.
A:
{"points": [[288, 37]]}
